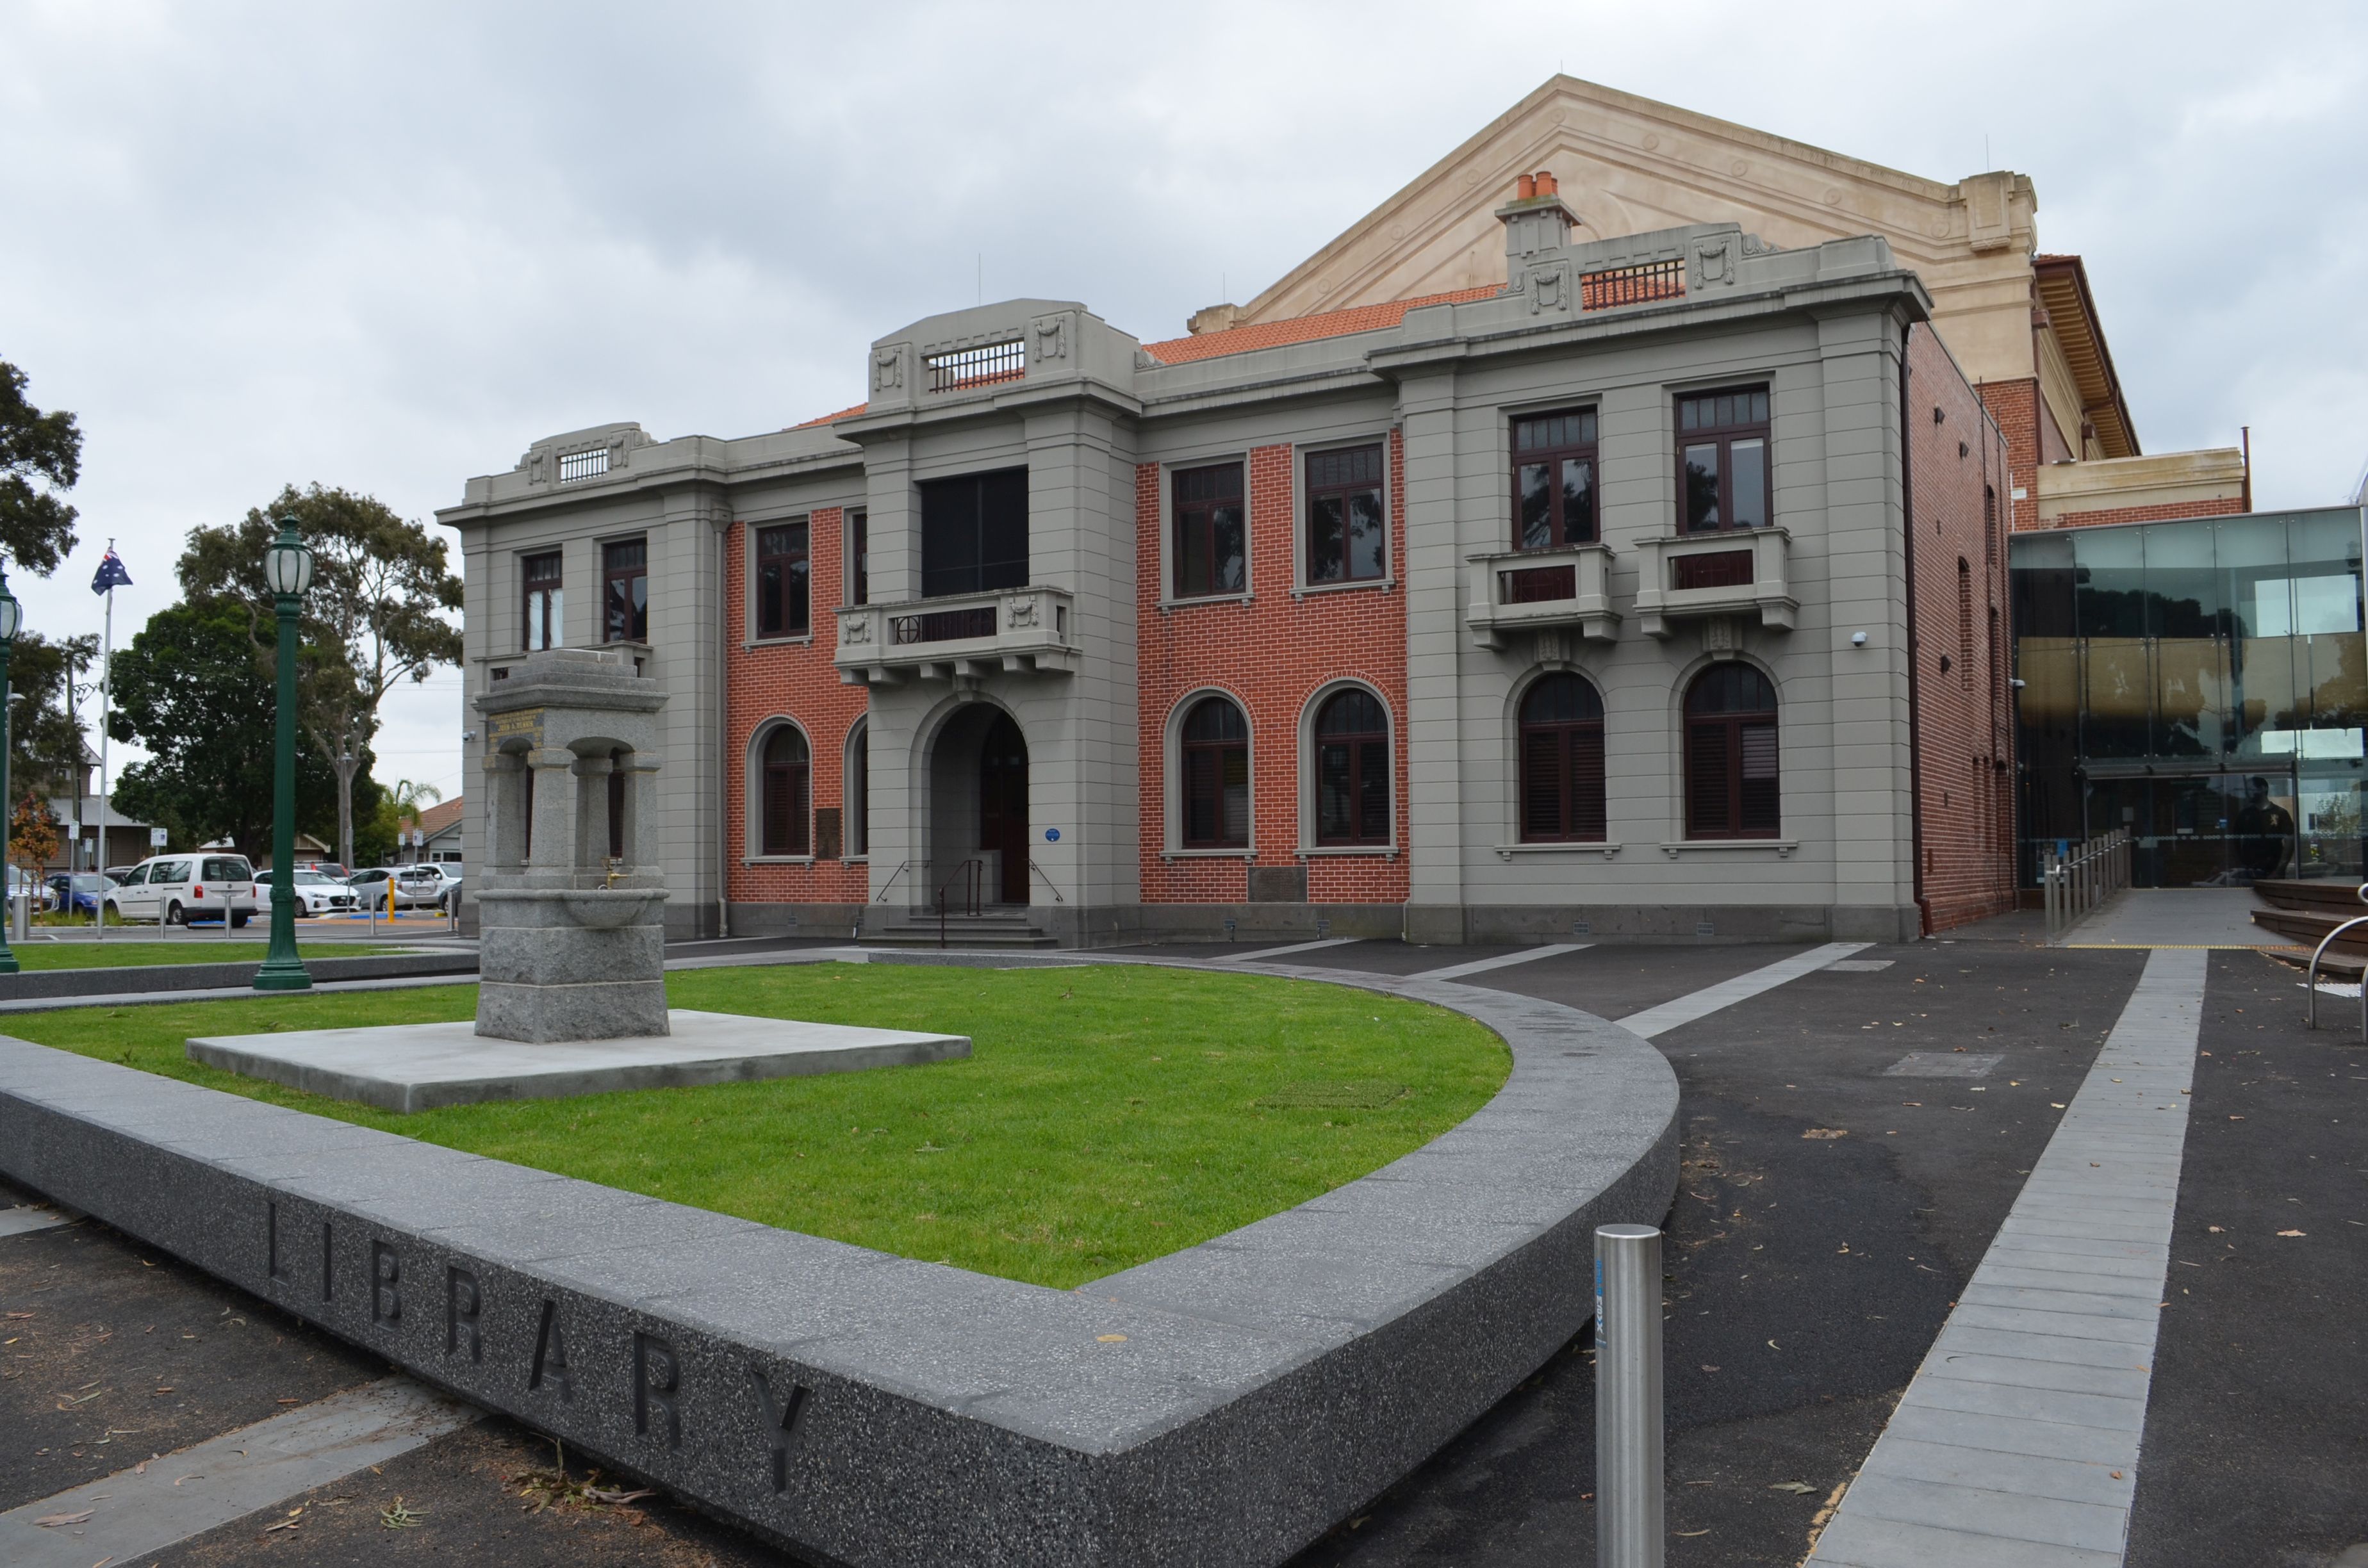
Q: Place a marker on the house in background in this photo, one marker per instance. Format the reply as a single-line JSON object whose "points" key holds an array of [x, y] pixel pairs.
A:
{"points": [[441, 823]]}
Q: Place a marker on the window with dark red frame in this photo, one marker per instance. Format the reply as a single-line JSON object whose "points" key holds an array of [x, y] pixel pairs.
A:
{"points": [[540, 574], [1723, 478], [1212, 540], [1352, 770], [784, 580], [1346, 540], [859, 556], [625, 591], [1561, 762], [787, 789], [1216, 776], [1553, 479], [1732, 785]]}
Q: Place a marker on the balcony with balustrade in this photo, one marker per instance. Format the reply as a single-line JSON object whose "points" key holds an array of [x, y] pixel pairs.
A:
{"points": [[997, 631], [1542, 590], [1736, 572]]}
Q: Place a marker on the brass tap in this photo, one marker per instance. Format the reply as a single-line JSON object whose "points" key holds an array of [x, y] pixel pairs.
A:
{"points": [[616, 869]]}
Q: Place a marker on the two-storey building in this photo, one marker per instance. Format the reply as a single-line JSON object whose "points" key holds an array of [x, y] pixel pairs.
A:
{"points": [[1654, 589]]}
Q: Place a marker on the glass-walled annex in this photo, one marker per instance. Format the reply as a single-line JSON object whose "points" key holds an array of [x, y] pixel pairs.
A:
{"points": [[2202, 683]]}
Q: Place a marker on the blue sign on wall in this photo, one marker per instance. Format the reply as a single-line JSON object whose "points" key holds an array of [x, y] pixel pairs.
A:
{"points": [[1052, 836]]}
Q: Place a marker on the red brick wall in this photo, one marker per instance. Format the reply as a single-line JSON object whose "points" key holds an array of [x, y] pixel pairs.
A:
{"points": [[1964, 738], [796, 680], [2215, 507], [1271, 653], [2015, 406]]}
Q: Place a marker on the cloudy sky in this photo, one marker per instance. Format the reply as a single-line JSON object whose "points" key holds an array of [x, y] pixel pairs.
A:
{"points": [[386, 248]]}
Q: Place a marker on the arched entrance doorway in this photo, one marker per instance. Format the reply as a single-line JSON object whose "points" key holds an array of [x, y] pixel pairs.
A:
{"points": [[1002, 806]]}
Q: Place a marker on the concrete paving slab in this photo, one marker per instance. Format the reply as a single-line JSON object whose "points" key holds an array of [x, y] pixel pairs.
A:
{"points": [[2072, 1481], [1264, 953], [136, 1511], [2176, 917], [23, 1220], [1952, 1505], [1502, 960], [410, 1067], [1701, 1003], [1978, 1387]]}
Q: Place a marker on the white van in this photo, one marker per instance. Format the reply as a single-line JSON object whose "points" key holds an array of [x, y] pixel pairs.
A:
{"points": [[173, 890]]}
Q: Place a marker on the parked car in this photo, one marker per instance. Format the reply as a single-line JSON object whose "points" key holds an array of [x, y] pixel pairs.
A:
{"points": [[78, 893], [315, 894], [449, 898], [415, 887], [173, 890], [334, 870]]}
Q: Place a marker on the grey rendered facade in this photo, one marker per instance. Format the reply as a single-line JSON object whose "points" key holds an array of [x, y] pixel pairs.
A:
{"points": [[1095, 655]]}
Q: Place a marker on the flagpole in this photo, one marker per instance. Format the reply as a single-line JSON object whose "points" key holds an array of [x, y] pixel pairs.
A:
{"points": [[106, 678]]}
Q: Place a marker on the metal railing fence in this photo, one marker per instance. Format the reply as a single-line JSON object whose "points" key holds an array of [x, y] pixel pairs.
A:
{"points": [[2073, 884]]}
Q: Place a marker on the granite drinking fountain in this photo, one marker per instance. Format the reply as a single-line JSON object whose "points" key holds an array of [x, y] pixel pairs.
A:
{"points": [[571, 996]]}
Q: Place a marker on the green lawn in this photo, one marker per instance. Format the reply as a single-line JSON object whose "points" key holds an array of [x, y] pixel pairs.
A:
{"points": [[1108, 1115], [114, 953]]}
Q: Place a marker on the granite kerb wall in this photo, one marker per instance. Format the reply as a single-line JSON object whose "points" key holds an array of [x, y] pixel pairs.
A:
{"points": [[1221, 1405]]}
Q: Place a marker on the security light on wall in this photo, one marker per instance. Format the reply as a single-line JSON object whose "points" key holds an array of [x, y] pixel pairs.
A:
{"points": [[1858, 638]]}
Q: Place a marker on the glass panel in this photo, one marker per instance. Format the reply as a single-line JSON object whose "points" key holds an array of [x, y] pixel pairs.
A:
{"points": [[1228, 549], [1701, 499], [1365, 533], [2116, 720], [1200, 796], [1577, 500], [1541, 784], [2188, 697], [1326, 539], [2113, 582], [1536, 522], [1236, 774], [769, 599], [1332, 791], [1373, 790], [1747, 482], [2329, 814], [1192, 554]]}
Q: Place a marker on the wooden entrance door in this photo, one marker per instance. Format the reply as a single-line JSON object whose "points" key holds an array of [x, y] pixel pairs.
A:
{"points": [[1003, 804]]}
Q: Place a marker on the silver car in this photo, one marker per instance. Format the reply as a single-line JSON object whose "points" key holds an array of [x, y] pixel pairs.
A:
{"points": [[315, 894]]}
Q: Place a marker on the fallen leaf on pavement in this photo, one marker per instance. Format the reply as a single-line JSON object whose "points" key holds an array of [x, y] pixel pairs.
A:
{"points": [[1827, 1133], [1687, 1535], [2290, 1232], [1798, 1488], [51, 1521]]}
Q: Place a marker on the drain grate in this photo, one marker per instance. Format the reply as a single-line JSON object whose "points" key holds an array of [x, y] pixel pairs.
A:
{"points": [[1331, 1096], [1941, 1065]]}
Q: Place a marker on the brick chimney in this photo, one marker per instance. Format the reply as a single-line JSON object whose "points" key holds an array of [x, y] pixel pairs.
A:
{"points": [[1535, 220]]}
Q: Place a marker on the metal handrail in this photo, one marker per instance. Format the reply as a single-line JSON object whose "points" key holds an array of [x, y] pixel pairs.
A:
{"points": [[2310, 978], [902, 868], [1047, 880], [968, 873]]}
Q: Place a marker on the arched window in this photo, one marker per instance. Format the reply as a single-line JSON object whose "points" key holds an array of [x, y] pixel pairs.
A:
{"points": [[789, 769], [1732, 785], [1352, 770], [1562, 761], [1216, 776], [858, 787]]}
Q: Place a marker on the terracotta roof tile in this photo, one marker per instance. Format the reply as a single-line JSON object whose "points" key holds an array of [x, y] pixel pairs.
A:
{"points": [[1305, 329], [443, 814], [829, 419]]}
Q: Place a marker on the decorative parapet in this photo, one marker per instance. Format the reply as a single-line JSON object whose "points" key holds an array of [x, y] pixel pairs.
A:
{"points": [[1542, 590], [1735, 571], [1003, 630]]}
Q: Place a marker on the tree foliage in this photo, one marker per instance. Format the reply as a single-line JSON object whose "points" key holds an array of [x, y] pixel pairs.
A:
{"points": [[32, 834], [187, 690], [40, 454], [45, 735], [375, 618]]}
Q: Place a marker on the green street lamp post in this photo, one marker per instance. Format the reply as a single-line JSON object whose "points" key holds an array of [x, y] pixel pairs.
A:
{"points": [[12, 614], [288, 567]]}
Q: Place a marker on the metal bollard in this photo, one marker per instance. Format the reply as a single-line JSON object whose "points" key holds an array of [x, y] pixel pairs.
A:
{"points": [[1629, 1529]]}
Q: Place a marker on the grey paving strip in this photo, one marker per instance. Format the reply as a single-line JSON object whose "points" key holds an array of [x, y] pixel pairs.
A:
{"points": [[1261, 953], [207, 1484], [1503, 961], [24, 1222], [2017, 1442], [1670, 1015]]}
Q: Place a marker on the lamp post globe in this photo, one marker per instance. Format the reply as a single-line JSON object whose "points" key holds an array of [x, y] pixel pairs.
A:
{"points": [[287, 568], [12, 617]]}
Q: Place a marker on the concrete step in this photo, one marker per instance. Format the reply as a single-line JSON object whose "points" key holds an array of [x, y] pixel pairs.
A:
{"points": [[998, 928], [2310, 928], [2328, 895]]}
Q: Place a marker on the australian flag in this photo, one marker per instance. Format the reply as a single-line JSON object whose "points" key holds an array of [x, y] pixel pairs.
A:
{"points": [[112, 574]]}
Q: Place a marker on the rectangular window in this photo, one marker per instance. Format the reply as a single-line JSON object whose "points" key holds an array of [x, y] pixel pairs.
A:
{"points": [[858, 557], [1211, 543], [1723, 469], [783, 580], [625, 591], [539, 575], [974, 533], [1554, 480], [1345, 538]]}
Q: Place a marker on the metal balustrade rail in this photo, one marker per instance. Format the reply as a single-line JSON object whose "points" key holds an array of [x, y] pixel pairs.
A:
{"points": [[2072, 885], [2310, 1018]]}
